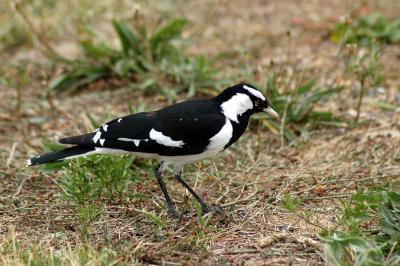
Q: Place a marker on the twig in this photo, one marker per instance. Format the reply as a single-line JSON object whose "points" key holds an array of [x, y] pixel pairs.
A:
{"points": [[360, 98], [241, 251], [391, 250], [339, 195], [288, 184], [50, 51], [308, 221], [12, 153], [241, 200], [19, 189]]}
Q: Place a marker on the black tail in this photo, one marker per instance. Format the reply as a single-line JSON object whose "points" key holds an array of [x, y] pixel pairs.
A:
{"points": [[67, 153]]}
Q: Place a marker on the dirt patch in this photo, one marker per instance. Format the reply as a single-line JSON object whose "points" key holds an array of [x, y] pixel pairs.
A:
{"points": [[249, 179]]}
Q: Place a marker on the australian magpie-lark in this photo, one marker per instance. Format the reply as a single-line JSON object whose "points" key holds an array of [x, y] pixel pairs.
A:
{"points": [[176, 135]]}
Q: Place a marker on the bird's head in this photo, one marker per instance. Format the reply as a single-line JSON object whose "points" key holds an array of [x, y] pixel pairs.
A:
{"points": [[243, 99]]}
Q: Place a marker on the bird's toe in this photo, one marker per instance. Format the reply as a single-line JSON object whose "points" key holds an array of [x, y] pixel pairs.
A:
{"points": [[173, 213], [212, 209]]}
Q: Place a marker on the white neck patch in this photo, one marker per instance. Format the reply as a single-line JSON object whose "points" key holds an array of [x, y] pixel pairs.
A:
{"points": [[237, 105], [254, 92]]}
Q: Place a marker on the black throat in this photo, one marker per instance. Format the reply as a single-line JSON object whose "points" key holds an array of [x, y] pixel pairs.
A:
{"points": [[239, 128]]}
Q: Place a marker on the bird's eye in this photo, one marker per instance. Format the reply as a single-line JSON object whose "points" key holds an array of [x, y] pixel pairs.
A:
{"points": [[257, 103]]}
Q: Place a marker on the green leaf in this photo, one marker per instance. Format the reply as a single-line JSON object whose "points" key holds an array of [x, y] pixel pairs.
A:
{"points": [[155, 219], [52, 146], [124, 66], [305, 88], [172, 30], [93, 122], [129, 42], [305, 106], [388, 222], [291, 203], [96, 51], [78, 78]]}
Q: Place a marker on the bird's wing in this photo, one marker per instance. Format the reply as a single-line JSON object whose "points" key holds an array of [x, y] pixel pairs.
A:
{"points": [[180, 129]]}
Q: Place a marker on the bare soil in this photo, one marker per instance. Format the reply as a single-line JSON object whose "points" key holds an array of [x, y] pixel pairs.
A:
{"points": [[249, 179]]}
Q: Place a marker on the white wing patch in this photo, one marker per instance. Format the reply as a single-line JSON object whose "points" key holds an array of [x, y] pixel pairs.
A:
{"points": [[254, 92], [97, 136], [105, 126], [160, 138], [135, 141], [237, 105]]}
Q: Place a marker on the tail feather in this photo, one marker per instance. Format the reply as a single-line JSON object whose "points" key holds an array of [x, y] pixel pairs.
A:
{"points": [[67, 153], [86, 139]]}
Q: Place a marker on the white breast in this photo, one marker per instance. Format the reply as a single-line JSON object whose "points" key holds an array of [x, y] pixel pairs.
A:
{"points": [[222, 138]]}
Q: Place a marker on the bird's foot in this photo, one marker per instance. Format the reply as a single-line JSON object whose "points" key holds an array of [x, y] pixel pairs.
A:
{"points": [[173, 213], [211, 208]]}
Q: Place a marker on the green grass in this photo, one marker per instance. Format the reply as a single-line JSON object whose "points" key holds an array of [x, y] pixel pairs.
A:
{"points": [[13, 252], [372, 236], [152, 61], [296, 108], [366, 29], [367, 230], [365, 38]]}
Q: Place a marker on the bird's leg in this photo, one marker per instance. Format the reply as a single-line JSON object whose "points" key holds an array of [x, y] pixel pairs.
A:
{"points": [[170, 204], [204, 206]]}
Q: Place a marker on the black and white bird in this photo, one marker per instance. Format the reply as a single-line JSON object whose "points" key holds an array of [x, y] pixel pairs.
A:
{"points": [[182, 133]]}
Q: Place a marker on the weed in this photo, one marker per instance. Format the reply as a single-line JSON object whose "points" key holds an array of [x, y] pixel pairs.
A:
{"points": [[78, 184], [296, 108], [367, 29], [290, 203], [159, 221], [86, 216], [13, 253], [364, 244], [154, 62], [364, 64], [12, 35], [91, 178], [202, 219]]}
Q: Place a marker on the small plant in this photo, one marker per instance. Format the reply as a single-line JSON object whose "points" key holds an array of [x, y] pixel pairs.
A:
{"points": [[91, 178], [154, 62], [290, 203], [364, 38], [364, 64], [114, 175], [16, 252], [372, 219], [367, 29], [86, 216], [296, 108], [78, 184]]}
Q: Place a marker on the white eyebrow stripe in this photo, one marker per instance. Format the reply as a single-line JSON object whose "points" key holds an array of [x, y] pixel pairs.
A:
{"points": [[254, 92], [160, 138]]}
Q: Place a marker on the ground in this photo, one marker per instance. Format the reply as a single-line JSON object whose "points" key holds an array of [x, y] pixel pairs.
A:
{"points": [[249, 179]]}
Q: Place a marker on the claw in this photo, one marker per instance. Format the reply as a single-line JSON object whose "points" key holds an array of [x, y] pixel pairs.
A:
{"points": [[172, 213], [212, 209]]}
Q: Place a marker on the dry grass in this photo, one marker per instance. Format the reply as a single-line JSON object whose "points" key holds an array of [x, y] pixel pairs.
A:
{"points": [[250, 179]]}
